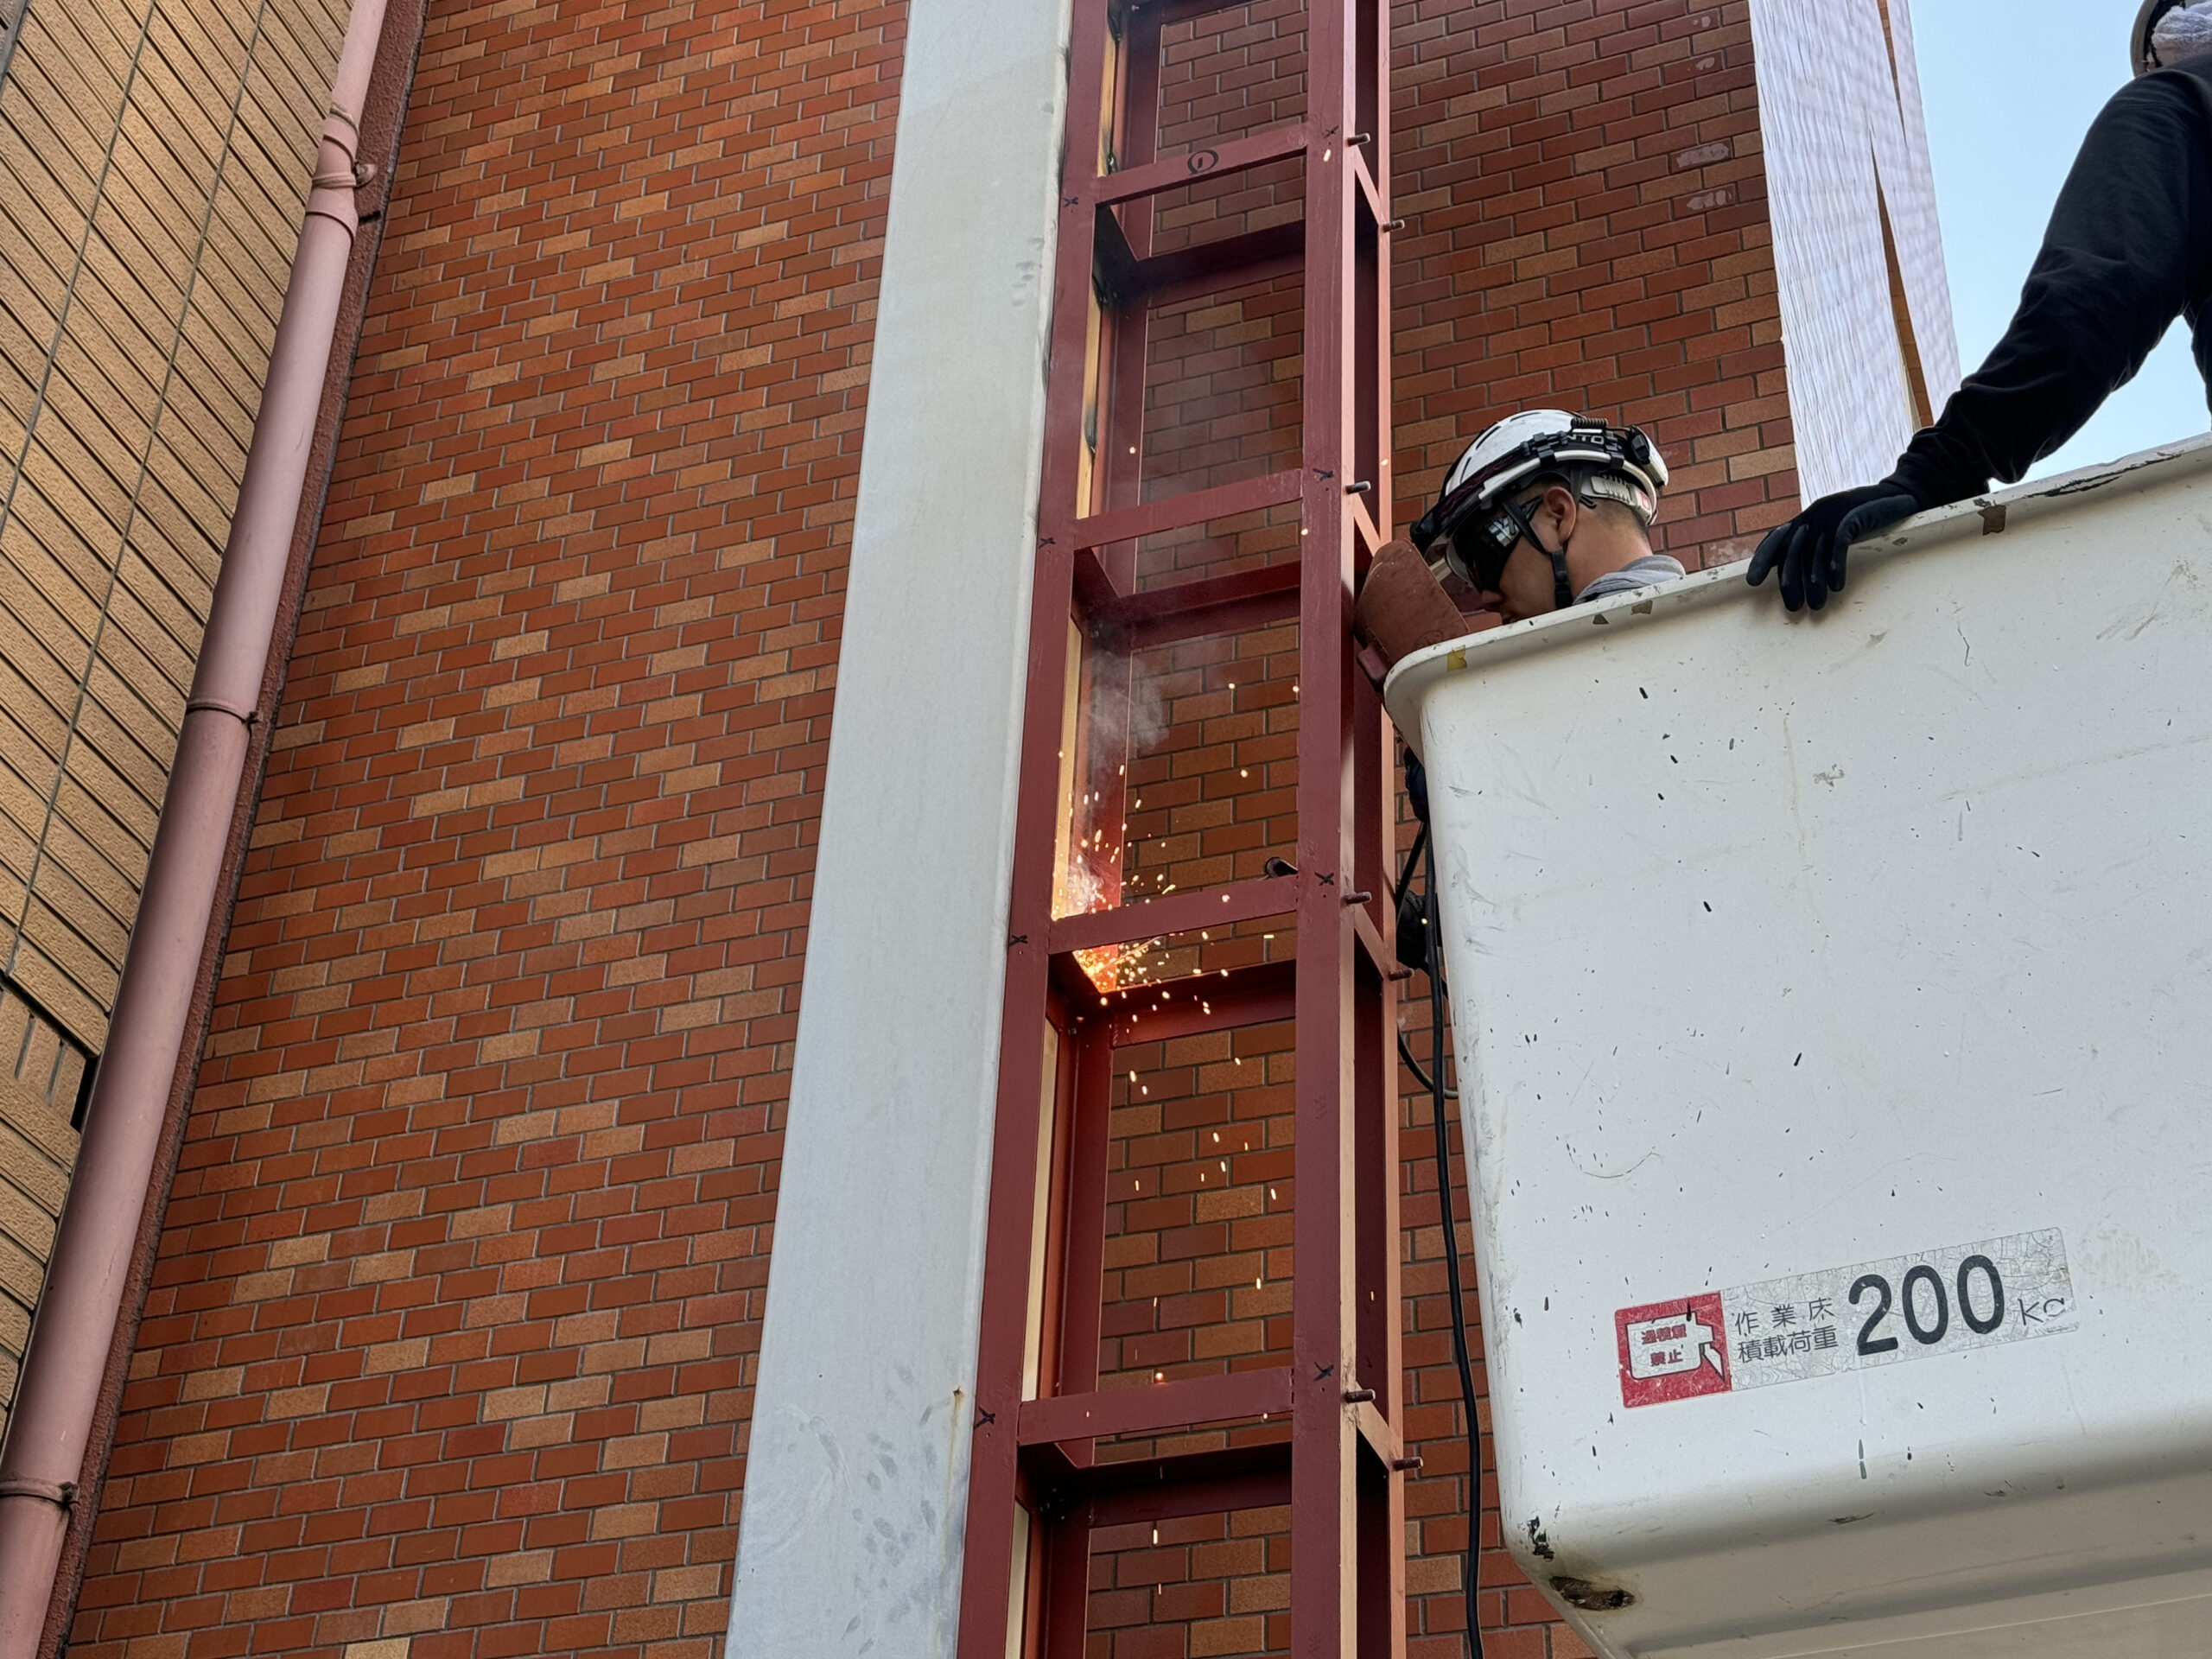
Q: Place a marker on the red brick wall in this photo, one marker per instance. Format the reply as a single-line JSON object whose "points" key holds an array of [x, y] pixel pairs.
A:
{"points": [[459, 1290], [453, 1334], [1587, 228]]}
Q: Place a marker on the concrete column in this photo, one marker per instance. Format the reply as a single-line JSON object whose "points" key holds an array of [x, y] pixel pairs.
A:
{"points": [[856, 1485]]}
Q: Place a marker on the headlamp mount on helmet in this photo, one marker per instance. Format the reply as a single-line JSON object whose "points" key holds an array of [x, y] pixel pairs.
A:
{"points": [[1480, 524]]}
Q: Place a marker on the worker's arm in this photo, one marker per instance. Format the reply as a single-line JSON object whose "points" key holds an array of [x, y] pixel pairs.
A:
{"points": [[2129, 249]]}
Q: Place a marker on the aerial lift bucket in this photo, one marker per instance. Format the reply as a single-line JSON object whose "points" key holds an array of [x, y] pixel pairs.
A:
{"points": [[1832, 1012]]}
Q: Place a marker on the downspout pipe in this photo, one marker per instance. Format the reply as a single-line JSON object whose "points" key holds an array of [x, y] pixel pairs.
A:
{"points": [[42, 1457]]}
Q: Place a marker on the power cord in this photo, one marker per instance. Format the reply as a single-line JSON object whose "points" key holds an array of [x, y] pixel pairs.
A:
{"points": [[1431, 962]]}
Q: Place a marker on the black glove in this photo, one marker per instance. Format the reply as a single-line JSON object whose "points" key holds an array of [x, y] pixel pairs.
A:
{"points": [[1810, 547]]}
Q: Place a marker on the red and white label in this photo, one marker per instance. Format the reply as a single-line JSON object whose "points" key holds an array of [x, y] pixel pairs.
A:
{"points": [[1673, 1351], [1873, 1313]]}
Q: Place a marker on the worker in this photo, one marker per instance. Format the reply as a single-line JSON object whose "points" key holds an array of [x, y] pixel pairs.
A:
{"points": [[2129, 249], [1544, 510]]}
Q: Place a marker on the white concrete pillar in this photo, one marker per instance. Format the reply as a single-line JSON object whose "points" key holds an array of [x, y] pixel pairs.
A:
{"points": [[855, 1490]]}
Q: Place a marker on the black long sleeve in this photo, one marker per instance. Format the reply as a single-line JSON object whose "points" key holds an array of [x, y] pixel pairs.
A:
{"points": [[2129, 249]]}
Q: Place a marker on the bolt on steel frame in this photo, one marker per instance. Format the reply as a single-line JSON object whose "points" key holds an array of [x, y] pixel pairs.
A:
{"points": [[1038, 1490]]}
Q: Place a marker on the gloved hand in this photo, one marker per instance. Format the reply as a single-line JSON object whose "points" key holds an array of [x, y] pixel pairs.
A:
{"points": [[1809, 549], [1403, 606]]}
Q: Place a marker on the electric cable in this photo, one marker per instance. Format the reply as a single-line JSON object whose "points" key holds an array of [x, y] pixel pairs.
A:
{"points": [[1459, 1352], [1413, 858], [1432, 1081], [1406, 1054]]}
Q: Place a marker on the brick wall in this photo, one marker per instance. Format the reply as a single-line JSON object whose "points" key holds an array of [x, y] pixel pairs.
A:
{"points": [[451, 1336], [450, 1350], [1587, 228]]}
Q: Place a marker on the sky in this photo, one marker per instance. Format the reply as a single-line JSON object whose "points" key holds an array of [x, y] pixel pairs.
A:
{"points": [[2010, 88]]}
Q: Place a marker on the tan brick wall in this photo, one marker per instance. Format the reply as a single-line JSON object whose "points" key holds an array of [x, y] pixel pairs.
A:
{"points": [[452, 1341], [154, 156], [153, 161], [42, 1077]]}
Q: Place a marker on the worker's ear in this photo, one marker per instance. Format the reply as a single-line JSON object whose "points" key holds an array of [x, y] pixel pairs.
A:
{"points": [[1558, 513]]}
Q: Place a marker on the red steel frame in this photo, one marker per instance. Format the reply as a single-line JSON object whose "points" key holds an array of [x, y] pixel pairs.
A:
{"points": [[1036, 1491]]}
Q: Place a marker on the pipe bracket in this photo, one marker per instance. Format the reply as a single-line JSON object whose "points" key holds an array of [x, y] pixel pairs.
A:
{"points": [[216, 706], [63, 1497]]}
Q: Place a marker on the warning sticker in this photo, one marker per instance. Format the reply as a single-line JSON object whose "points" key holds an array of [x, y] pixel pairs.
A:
{"points": [[1846, 1319]]}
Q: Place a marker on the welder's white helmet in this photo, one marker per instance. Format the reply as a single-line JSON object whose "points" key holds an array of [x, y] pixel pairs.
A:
{"points": [[1537, 440], [1474, 524]]}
